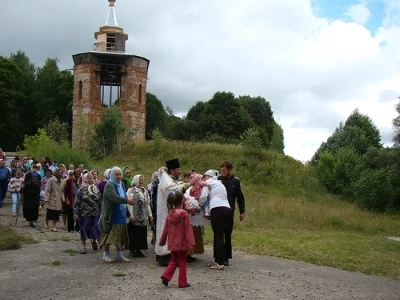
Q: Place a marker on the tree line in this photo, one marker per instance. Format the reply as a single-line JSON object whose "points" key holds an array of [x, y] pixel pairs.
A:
{"points": [[34, 97], [31, 96], [353, 163]]}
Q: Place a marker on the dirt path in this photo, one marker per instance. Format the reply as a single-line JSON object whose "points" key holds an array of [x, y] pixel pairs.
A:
{"points": [[28, 273]]}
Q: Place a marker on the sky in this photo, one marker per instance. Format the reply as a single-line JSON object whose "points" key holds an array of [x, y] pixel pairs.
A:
{"points": [[315, 61]]}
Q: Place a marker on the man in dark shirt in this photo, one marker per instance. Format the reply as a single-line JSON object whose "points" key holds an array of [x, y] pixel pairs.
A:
{"points": [[234, 191]]}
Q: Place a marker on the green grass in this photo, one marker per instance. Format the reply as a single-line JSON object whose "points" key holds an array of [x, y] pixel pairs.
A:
{"points": [[119, 274], [70, 252], [56, 263], [11, 240], [288, 213]]}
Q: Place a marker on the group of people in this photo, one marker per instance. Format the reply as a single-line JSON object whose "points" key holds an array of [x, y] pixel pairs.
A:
{"points": [[176, 221], [119, 209]]}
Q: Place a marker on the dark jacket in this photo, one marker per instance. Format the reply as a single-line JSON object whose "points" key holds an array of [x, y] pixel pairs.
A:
{"points": [[234, 191]]}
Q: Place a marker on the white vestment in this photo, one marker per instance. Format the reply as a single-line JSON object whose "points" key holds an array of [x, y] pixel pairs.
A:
{"points": [[167, 184]]}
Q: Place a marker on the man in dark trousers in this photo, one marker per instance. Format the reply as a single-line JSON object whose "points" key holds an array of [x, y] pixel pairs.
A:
{"points": [[234, 191]]}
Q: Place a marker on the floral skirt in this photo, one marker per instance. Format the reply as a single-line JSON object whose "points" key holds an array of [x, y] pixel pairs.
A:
{"points": [[118, 236], [198, 238]]}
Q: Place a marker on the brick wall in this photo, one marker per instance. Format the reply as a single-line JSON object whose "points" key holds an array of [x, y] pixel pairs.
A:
{"points": [[87, 99]]}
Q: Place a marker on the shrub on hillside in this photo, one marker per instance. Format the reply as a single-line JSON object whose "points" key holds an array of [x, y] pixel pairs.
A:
{"points": [[251, 142], [41, 144], [374, 189]]}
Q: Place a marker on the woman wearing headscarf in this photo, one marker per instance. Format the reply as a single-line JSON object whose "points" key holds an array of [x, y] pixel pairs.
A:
{"points": [[102, 183], [113, 229], [152, 189], [87, 208], [126, 178], [140, 216], [31, 192]]}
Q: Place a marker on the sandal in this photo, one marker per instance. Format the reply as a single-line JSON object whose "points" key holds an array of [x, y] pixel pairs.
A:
{"points": [[216, 266], [83, 251], [54, 230], [210, 263]]}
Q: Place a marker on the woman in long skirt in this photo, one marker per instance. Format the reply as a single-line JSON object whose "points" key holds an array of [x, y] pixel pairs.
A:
{"points": [[31, 202], [87, 208], [140, 217]]}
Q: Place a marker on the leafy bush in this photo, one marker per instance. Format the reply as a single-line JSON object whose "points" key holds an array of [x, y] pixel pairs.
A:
{"points": [[157, 138], [251, 142], [41, 145], [374, 190]]}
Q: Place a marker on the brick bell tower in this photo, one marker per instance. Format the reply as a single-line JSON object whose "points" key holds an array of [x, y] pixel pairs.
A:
{"points": [[109, 76]]}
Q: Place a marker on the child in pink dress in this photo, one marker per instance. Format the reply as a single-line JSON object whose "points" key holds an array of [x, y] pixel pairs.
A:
{"points": [[195, 191], [180, 239]]}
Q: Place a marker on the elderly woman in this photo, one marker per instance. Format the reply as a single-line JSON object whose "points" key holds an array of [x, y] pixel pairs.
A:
{"points": [[87, 208], [113, 230], [140, 216], [220, 212]]}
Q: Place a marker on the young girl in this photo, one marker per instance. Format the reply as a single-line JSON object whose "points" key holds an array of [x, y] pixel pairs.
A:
{"points": [[14, 187], [180, 239]]}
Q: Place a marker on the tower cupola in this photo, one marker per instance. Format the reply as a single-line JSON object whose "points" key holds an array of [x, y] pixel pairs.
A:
{"points": [[110, 37]]}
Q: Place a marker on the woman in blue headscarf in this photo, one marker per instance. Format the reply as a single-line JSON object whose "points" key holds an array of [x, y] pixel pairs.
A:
{"points": [[113, 230]]}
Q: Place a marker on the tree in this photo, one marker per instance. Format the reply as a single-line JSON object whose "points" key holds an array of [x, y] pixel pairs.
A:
{"points": [[261, 114], [277, 142], [26, 105], [155, 114], [396, 126], [106, 133], [57, 131], [358, 131], [224, 115], [11, 84], [53, 93]]}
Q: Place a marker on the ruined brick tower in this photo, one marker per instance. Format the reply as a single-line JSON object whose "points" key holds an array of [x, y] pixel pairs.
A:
{"points": [[109, 75]]}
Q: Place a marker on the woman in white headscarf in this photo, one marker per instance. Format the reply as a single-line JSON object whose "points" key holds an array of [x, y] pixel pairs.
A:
{"points": [[140, 217]]}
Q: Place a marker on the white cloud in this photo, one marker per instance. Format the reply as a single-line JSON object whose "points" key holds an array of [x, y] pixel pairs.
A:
{"points": [[359, 13], [314, 72]]}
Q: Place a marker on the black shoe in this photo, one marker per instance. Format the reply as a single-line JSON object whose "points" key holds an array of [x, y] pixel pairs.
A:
{"points": [[164, 281], [32, 225], [182, 287], [138, 253], [226, 262], [191, 259], [94, 246]]}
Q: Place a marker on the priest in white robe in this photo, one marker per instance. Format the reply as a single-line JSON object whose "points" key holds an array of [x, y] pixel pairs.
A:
{"points": [[168, 183]]}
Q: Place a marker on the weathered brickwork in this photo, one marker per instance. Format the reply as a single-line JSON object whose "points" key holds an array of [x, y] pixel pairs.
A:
{"points": [[87, 89]]}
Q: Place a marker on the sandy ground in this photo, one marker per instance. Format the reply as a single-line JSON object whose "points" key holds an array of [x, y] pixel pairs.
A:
{"points": [[28, 273]]}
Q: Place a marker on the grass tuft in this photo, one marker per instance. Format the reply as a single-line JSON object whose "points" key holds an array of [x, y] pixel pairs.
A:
{"points": [[11, 240], [70, 252], [56, 263], [119, 274]]}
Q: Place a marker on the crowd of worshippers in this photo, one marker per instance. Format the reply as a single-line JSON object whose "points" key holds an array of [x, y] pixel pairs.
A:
{"points": [[118, 209]]}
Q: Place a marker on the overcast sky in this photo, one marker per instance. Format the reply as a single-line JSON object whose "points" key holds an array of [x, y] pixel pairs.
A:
{"points": [[314, 61]]}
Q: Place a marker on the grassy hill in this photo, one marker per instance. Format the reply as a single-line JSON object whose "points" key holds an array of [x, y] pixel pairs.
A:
{"points": [[288, 213]]}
